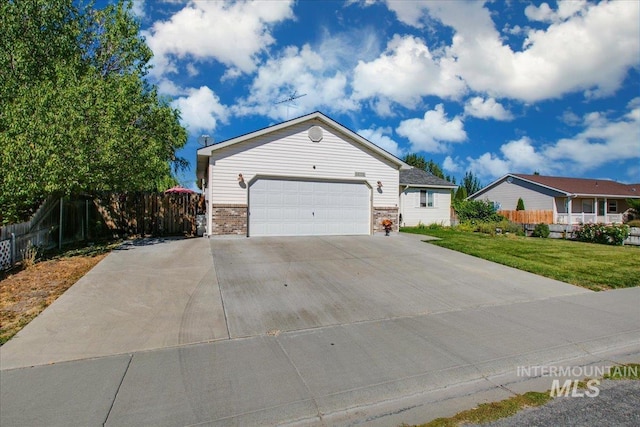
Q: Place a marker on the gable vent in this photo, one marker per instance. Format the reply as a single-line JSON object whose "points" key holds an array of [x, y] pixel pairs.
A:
{"points": [[315, 133]]}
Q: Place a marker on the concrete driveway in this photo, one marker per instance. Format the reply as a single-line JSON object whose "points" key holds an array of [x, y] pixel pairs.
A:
{"points": [[146, 294], [286, 284], [310, 331]]}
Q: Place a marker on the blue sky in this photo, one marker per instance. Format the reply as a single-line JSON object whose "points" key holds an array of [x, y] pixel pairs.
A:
{"points": [[491, 87]]}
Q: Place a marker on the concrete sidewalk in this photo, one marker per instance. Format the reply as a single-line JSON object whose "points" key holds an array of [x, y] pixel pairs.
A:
{"points": [[381, 372]]}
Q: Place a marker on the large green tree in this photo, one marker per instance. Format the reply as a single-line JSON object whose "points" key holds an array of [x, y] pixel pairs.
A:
{"points": [[471, 183], [418, 161], [77, 114]]}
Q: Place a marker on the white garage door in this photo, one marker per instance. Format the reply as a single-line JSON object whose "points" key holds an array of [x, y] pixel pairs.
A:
{"points": [[308, 208]]}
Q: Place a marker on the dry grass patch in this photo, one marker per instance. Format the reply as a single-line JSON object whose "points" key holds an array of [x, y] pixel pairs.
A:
{"points": [[25, 293]]}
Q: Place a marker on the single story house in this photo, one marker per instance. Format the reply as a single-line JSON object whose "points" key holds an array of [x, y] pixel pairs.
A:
{"points": [[571, 200], [424, 198], [306, 176]]}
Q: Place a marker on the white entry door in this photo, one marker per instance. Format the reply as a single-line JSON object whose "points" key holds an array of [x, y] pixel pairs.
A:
{"points": [[280, 207]]}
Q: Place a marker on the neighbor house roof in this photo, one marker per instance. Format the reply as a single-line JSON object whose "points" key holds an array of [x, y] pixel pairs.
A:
{"points": [[415, 177], [205, 152], [574, 186]]}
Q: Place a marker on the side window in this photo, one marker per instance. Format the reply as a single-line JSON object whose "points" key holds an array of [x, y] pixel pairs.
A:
{"points": [[427, 199], [613, 206]]}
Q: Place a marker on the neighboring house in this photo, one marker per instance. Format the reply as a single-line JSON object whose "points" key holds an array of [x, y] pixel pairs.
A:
{"points": [[424, 198], [571, 200], [307, 176]]}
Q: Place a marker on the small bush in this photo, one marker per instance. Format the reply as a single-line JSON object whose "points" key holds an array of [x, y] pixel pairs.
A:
{"points": [[520, 205], [614, 234], [634, 223], [541, 230], [30, 255], [476, 210]]}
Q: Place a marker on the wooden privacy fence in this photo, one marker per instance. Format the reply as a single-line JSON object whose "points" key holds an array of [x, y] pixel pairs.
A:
{"points": [[63, 221], [150, 213], [528, 217]]}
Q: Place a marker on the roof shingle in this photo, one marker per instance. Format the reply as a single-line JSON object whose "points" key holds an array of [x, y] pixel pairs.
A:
{"points": [[415, 176], [584, 186]]}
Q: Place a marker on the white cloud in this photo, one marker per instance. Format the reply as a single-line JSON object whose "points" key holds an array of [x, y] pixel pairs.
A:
{"points": [[578, 54], [519, 156], [578, 51], [522, 156], [566, 9], [192, 70], [200, 109], [231, 33], [602, 140], [570, 118], [488, 166], [409, 12], [304, 71], [168, 87], [138, 8], [379, 136], [451, 165], [406, 72], [542, 13], [432, 132], [486, 109]]}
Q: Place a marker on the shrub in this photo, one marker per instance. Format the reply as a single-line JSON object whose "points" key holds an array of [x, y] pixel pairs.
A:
{"points": [[30, 255], [520, 205], [492, 228], [478, 210], [541, 230], [614, 234], [634, 223]]}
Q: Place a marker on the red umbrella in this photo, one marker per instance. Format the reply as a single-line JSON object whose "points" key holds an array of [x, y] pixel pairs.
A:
{"points": [[179, 190]]}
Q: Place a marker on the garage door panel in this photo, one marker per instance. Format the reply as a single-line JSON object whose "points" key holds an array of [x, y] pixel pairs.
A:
{"points": [[289, 207]]}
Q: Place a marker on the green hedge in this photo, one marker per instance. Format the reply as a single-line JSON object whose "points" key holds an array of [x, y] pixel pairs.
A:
{"points": [[541, 230]]}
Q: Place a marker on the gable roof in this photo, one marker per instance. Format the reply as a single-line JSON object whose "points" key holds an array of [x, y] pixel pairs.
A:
{"points": [[415, 177], [204, 152], [574, 186]]}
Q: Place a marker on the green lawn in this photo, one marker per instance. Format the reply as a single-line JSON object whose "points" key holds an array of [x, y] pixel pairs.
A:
{"points": [[589, 265]]}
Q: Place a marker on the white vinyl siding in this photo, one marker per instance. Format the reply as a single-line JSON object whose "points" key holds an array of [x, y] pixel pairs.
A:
{"points": [[308, 208], [289, 153], [415, 207]]}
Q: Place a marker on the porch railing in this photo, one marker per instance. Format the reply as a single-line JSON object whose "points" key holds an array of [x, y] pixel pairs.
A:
{"points": [[588, 218]]}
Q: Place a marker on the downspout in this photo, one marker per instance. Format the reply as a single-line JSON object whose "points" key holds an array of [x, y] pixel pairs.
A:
{"points": [[402, 205], [209, 201]]}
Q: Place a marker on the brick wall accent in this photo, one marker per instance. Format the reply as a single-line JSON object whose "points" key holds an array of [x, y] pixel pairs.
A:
{"points": [[229, 219], [382, 212]]}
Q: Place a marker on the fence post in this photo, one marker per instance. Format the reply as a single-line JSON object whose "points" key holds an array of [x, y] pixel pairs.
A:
{"points": [[61, 221], [13, 249]]}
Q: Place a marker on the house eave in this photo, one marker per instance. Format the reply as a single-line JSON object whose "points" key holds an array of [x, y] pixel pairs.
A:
{"points": [[207, 151], [603, 196], [406, 185]]}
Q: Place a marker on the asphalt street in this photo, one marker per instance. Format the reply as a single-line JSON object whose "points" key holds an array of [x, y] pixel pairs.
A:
{"points": [[616, 405]]}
